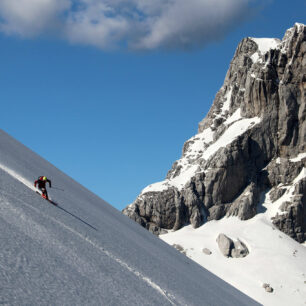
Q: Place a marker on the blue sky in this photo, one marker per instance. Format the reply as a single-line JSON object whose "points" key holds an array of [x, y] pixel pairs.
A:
{"points": [[110, 108]]}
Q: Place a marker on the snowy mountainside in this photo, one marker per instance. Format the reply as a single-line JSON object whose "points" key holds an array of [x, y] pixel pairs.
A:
{"points": [[274, 258], [243, 175], [85, 252]]}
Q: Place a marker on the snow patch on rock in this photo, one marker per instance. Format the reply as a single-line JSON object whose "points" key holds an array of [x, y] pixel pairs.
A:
{"points": [[298, 158], [227, 102], [203, 147], [266, 44], [273, 208], [232, 132]]}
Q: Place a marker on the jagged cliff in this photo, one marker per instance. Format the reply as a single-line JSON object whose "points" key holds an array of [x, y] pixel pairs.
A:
{"points": [[252, 140]]}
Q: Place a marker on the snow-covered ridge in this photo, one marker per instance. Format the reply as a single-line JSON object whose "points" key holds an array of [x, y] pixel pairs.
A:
{"points": [[264, 45], [267, 44], [202, 147], [300, 26]]}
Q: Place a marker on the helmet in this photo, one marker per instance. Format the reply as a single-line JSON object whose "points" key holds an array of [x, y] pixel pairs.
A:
{"points": [[44, 178]]}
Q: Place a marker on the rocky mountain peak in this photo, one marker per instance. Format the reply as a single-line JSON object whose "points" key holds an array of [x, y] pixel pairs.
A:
{"points": [[252, 140]]}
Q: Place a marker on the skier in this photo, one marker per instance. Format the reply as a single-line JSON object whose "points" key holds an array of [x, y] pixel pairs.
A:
{"points": [[41, 182]]}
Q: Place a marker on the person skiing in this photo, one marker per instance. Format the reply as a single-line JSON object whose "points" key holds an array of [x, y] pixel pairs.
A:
{"points": [[41, 182]]}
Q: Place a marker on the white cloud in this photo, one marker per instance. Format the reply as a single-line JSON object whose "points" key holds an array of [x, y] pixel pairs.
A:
{"points": [[138, 24], [30, 17], [97, 23], [184, 24]]}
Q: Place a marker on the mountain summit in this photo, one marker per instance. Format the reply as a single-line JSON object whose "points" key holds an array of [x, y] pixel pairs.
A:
{"points": [[253, 139]]}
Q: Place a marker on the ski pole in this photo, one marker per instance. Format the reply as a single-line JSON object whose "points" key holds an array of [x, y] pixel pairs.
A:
{"points": [[58, 188]]}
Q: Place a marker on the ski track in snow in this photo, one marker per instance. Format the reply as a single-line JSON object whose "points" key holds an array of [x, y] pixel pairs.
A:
{"points": [[21, 222], [18, 177]]}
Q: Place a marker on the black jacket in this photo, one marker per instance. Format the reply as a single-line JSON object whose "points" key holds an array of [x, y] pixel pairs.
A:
{"points": [[41, 183]]}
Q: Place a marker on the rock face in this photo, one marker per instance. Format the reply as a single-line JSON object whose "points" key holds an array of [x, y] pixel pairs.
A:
{"points": [[253, 139], [292, 221]]}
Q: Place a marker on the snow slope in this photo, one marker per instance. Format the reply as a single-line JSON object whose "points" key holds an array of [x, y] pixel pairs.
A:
{"points": [[85, 252], [274, 257]]}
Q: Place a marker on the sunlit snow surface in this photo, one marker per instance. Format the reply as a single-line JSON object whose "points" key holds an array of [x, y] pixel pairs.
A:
{"points": [[85, 252], [274, 257], [264, 45]]}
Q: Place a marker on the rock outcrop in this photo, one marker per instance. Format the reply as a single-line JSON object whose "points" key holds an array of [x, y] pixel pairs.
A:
{"points": [[252, 139]]}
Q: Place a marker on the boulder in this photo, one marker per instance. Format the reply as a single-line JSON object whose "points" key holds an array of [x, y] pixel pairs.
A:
{"points": [[268, 288], [207, 251], [229, 248], [225, 244], [240, 250]]}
